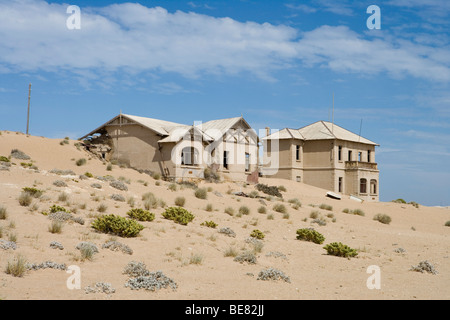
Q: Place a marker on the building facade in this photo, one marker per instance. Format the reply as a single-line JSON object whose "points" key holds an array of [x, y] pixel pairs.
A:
{"points": [[326, 156]]}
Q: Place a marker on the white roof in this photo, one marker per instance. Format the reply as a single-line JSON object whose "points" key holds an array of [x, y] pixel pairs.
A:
{"points": [[320, 130]]}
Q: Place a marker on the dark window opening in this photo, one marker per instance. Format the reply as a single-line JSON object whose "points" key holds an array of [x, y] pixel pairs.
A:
{"points": [[225, 159], [340, 184], [340, 153], [363, 186]]}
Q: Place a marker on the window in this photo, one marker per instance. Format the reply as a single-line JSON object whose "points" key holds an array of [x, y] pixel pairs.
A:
{"points": [[299, 179], [340, 153], [349, 155], [247, 162], [363, 186], [340, 184], [368, 156], [297, 152], [359, 156], [189, 156], [225, 159], [373, 186]]}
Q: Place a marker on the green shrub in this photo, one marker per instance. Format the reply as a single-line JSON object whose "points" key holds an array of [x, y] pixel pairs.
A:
{"points": [[201, 193], [81, 162], [4, 159], [172, 187], [25, 199], [399, 200], [257, 234], [414, 204], [117, 225], [210, 175], [109, 167], [383, 218], [253, 194], [210, 224], [447, 224], [178, 215], [88, 174], [357, 212], [209, 207], [54, 208], [340, 250], [309, 234], [270, 190], [141, 214], [180, 201], [279, 207], [244, 210], [314, 214]]}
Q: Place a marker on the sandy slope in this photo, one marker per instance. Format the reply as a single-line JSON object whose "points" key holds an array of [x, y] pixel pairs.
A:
{"points": [[166, 246]]}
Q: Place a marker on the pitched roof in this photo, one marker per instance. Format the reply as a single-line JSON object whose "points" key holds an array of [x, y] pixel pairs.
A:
{"points": [[320, 130]]}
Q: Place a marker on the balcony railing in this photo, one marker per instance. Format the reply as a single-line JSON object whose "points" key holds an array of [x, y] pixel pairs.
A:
{"points": [[361, 165]]}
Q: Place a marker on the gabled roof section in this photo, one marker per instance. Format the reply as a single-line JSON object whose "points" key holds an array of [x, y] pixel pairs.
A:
{"points": [[320, 130], [217, 128]]}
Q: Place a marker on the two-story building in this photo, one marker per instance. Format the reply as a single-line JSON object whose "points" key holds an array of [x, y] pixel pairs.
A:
{"points": [[325, 155]]}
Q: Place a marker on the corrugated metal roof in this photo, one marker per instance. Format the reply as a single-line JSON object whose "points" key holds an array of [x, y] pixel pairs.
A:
{"points": [[160, 126], [320, 130]]}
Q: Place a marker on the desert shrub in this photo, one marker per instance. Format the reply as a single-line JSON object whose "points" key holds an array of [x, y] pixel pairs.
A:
{"points": [[320, 221], [253, 194], [383, 218], [117, 225], [325, 206], [244, 210], [116, 246], [54, 208], [414, 204], [109, 167], [59, 183], [63, 196], [447, 224], [309, 234], [55, 227], [295, 203], [102, 207], [262, 209], [209, 207], [88, 174], [279, 207], [209, 224], [87, 250], [118, 185], [17, 154], [246, 256], [156, 175], [4, 159], [201, 193], [270, 190], [346, 210], [282, 188], [141, 214], [152, 282], [96, 185], [399, 200], [180, 201], [62, 172], [314, 214], [35, 193], [273, 274], [340, 250], [3, 213], [210, 175], [196, 259], [80, 162], [25, 199], [17, 267], [118, 197], [229, 210], [257, 234], [178, 215], [230, 252], [56, 245], [172, 187], [228, 231], [424, 266]]}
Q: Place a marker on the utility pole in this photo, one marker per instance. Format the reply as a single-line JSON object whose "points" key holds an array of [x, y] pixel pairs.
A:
{"points": [[28, 114], [332, 117]]}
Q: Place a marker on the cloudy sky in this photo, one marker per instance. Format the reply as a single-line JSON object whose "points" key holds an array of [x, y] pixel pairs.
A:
{"points": [[277, 63]]}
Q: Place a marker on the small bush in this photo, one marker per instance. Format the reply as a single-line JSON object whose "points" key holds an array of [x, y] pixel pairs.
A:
{"points": [[279, 207], [246, 256], [54, 208], [273, 274], [178, 215], [244, 210], [17, 267], [228, 231], [118, 197], [383, 218], [325, 206], [210, 175], [230, 252], [399, 200], [229, 210], [117, 225], [80, 162], [17, 154], [59, 183], [55, 227], [102, 208], [253, 194], [35, 193], [88, 174], [4, 159], [156, 175], [340, 250], [270, 190], [447, 224], [180, 201], [424, 266], [87, 250], [141, 214], [282, 188], [209, 224], [262, 209], [257, 234], [118, 185], [109, 167], [209, 207], [201, 193], [3, 213], [96, 185], [314, 214], [172, 187], [309, 234], [25, 199], [63, 197]]}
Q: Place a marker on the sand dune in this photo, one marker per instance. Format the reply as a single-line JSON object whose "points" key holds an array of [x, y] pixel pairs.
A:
{"points": [[194, 255]]}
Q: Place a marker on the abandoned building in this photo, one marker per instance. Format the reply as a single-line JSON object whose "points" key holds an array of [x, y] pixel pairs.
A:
{"points": [[178, 151], [324, 155]]}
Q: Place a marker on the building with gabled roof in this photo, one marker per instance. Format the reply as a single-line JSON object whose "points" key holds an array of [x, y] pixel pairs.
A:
{"points": [[325, 155], [177, 151]]}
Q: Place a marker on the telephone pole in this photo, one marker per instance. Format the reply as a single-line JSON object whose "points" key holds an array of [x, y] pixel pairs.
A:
{"points": [[28, 114]]}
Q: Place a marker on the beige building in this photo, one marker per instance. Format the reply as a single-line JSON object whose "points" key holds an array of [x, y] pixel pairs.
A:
{"points": [[228, 146], [324, 155]]}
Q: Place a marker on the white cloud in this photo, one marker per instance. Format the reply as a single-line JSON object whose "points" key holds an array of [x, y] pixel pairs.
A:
{"points": [[130, 38]]}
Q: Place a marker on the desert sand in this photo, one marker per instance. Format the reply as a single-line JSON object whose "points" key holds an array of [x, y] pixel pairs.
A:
{"points": [[194, 255]]}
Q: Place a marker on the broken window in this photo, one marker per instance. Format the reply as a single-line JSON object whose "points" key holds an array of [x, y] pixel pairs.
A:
{"points": [[373, 186], [363, 185], [247, 162], [225, 159], [340, 184]]}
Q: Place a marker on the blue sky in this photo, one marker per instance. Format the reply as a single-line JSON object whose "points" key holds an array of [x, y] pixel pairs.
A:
{"points": [[277, 63]]}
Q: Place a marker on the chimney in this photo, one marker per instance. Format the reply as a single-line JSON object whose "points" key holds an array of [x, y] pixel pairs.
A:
{"points": [[267, 131]]}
